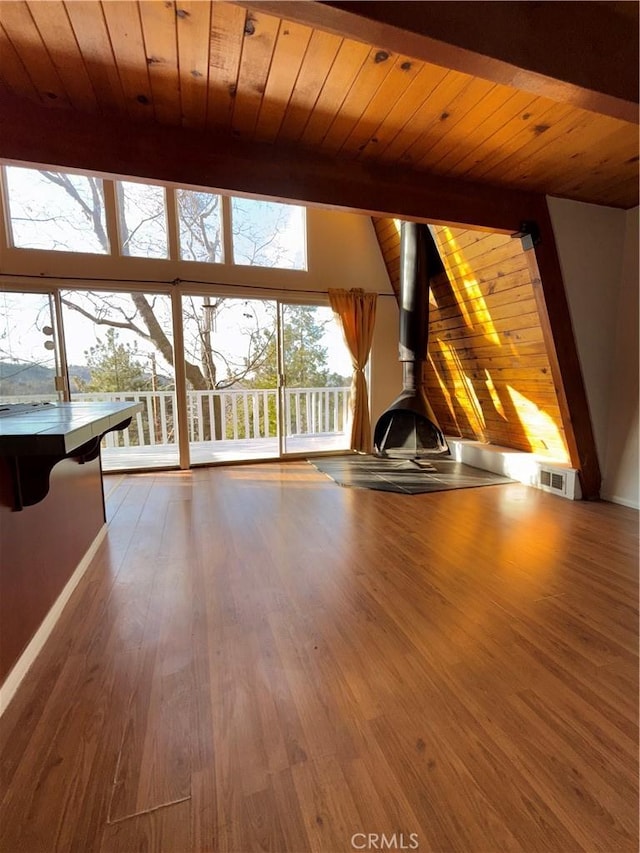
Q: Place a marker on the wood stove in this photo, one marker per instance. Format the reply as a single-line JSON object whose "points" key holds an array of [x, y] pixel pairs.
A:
{"points": [[408, 428]]}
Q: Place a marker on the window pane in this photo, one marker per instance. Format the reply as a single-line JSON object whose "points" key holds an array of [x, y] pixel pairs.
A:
{"points": [[232, 396], [200, 220], [317, 371], [120, 348], [28, 366], [143, 220], [56, 211], [268, 234]]}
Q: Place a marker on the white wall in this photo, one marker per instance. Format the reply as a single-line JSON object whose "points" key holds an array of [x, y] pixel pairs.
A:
{"points": [[594, 253], [621, 460], [343, 251]]}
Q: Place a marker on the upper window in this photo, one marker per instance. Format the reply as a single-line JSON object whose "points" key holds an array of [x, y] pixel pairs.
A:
{"points": [[268, 234], [200, 221], [63, 212], [56, 211], [142, 219]]}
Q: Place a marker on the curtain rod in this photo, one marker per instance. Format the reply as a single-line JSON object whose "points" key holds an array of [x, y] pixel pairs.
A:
{"points": [[174, 282]]}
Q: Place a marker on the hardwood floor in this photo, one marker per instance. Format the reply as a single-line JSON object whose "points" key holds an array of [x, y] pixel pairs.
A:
{"points": [[258, 659]]}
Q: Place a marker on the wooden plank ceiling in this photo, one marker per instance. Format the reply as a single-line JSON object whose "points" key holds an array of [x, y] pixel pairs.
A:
{"points": [[489, 376], [245, 74]]}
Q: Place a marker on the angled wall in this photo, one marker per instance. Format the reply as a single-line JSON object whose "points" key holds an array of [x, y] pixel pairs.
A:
{"points": [[489, 376], [598, 251], [622, 465]]}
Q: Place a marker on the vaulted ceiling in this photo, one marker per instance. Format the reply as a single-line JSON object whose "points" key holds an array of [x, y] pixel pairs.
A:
{"points": [[334, 80]]}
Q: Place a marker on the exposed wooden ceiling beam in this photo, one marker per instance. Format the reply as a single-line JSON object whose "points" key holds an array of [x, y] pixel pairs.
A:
{"points": [[584, 54], [63, 138]]}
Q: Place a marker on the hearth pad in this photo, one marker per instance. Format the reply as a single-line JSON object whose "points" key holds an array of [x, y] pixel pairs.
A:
{"points": [[403, 475]]}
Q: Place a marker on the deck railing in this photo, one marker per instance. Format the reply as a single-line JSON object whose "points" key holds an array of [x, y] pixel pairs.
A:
{"points": [[233, 414]]}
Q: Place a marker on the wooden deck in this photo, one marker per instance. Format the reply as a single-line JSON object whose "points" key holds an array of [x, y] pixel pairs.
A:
{"points": [[210, 452], [258, 659]]}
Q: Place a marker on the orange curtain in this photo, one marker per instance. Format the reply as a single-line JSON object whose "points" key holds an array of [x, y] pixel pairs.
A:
{"points": [[356, 312]]}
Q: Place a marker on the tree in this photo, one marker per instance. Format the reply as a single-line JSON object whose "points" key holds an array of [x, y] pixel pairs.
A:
{"points": [[114, 367], [199, 218], [306, 357]]}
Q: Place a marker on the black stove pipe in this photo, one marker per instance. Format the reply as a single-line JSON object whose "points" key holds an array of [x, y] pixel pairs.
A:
{"points": [[408, 428]]}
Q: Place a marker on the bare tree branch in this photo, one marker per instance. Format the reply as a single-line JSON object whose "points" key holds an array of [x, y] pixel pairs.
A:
{"points": [[92, 212], [101, 321]]}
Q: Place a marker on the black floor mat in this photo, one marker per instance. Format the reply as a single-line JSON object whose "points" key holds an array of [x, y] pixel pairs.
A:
{"points": [[403, 475]]}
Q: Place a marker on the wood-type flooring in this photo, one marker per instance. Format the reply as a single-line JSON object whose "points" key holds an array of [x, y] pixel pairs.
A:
{"points": [[260, 660]]}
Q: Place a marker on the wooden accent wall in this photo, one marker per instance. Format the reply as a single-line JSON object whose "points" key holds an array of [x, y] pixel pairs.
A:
{"points": [[489, 376], [388, 233]]}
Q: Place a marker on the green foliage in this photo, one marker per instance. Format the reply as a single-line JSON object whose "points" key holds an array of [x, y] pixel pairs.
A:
{"points": [[305, 356], [113, 367]]}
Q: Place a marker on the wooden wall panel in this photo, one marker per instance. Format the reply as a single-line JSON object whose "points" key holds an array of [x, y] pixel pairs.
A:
{"points": [[388, 234], [489, 376]]}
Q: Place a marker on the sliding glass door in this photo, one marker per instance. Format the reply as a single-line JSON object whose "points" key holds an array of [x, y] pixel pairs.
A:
{"points": [[263, 378], [231, 361], [120, 347], [316, 371], [29, 362]]}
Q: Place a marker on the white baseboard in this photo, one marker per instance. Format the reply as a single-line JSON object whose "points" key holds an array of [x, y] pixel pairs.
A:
{"points": [[28, 656], [616, 499], [517, 465]]}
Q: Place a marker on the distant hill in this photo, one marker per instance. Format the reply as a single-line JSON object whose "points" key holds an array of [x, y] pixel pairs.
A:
{"points": [[21, 379]]}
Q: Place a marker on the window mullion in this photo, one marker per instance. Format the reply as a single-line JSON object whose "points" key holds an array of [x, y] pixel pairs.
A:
{"points": [[172, 223], [63, 364], [5, 219], [180, 377], [227, 239], [111, 216]]}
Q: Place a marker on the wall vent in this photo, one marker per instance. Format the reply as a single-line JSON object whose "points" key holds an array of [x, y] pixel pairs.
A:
{"points": [[552, 480]]}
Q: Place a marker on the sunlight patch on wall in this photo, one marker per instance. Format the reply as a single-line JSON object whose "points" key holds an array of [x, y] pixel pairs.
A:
{"points": [[445, 392], [469, 292], [539, 425], [464, 391], [495, 398]]}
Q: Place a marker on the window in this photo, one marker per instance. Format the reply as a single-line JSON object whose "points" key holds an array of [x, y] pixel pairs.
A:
{"points": [[120, 348], [142, 220], [200, 222], [62, 212], [268, 234], [56, 211], [28, 354]]}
